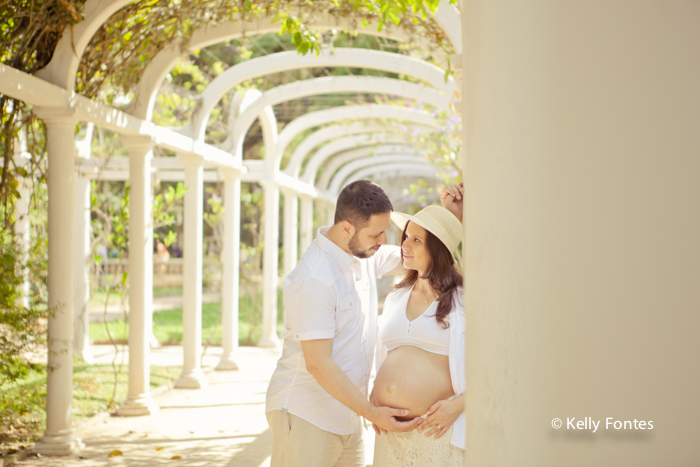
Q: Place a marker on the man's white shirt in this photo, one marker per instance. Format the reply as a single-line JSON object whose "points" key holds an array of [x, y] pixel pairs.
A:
{"points": [[329, 295]]}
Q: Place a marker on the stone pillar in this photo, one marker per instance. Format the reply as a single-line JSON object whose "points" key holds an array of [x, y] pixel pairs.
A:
{"points": [[270, 265], [192, 376], [59, 438], [230, 273], [307, 223], [23, 229], [290, 230], [582, 224], [81, 323], [138, 399]]}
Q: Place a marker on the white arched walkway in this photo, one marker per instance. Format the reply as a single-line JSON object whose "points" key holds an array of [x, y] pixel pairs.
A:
{"points": [[336, 57], [61, 111]]}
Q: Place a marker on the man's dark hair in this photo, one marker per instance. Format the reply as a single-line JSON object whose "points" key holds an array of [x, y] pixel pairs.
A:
{"points": [[359, 201]]}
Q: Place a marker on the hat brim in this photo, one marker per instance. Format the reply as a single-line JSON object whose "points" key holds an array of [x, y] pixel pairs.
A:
{"points": [[400, 219]]}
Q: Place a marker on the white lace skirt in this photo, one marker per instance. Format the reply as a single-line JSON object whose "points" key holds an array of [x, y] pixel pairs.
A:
{"points": [[414, 449]]}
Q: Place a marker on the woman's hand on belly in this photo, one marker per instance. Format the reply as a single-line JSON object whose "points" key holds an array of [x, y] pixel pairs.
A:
{"points": [[441, 416], [414, 379]]}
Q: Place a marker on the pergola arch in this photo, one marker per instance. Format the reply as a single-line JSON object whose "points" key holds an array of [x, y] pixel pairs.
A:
{"points": [[370, 137], [342, 158], [391, 170], [63, 67], [374, 162], [291, 60], [319, 117], [164, 61], [360, 112], [341, 84]]}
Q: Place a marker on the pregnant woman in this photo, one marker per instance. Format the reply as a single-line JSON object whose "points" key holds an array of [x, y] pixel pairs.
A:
{"points": [[420, 355]]}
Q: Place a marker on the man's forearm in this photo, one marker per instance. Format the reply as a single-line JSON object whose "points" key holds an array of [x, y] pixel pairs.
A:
{"points": [[337, 384]]}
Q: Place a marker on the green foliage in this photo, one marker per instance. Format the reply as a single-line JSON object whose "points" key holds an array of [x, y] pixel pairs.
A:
{"points": [[442, 146], [165, 204], [22, 333], [31, 29]]}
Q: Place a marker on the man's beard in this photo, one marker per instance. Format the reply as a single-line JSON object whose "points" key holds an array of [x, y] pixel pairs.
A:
{"points": [[354, 247]]}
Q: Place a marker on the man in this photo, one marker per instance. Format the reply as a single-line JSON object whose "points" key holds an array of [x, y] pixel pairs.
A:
{"points": [[318, 391]]}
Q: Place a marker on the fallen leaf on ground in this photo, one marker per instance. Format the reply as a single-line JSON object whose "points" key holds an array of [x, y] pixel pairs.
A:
{"points": [[176, 457], [116, 452], [160, 448]]}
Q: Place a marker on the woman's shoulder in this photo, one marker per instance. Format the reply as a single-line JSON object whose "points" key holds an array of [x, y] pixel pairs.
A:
{"points": [[395, 296]]}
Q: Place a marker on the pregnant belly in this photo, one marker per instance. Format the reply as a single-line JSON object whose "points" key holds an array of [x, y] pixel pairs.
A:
{"points": [[414, 379]]}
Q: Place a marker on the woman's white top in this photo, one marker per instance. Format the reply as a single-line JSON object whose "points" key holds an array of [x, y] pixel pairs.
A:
{"points": [[424, 332], [424, 336]]}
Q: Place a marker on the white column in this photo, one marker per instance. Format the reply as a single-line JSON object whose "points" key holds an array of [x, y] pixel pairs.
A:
{"points": [[192, 376], [270, 265], [81, 323], [230, 274], [22, 231], [22, 226], [290, 228], [581, 176], [59, 438], [307, 223], [138, 399]]}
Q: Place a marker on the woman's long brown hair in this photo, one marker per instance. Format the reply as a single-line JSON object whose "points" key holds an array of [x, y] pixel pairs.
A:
{"points": [[442, 275]]}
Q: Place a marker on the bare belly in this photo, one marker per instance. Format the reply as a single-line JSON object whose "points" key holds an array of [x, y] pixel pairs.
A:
{"points": [[414, 379]]}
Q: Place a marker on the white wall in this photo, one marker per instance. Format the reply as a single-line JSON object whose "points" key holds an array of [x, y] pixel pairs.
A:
{"points": [[582, 251]]}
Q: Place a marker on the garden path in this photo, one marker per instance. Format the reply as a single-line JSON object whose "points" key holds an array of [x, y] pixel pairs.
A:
{"points": [[222, 425]]}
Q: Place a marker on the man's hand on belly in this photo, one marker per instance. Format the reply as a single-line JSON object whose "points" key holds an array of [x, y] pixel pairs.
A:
{"points": [[385, 419]]}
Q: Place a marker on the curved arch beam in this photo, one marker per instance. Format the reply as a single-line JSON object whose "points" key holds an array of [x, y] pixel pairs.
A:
{"points": [[164, 61], [335, 84], [352, 167], [448, 18], [268, 123], [63, 67], [350, 112], [285, 61], [340, 159]]}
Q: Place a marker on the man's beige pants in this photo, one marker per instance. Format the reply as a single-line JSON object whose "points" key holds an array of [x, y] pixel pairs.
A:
{"points": [[298, 443]]}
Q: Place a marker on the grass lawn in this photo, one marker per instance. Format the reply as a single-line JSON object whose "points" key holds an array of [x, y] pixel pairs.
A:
{"points": [[167, 324], [97, 298], [22, 416]]}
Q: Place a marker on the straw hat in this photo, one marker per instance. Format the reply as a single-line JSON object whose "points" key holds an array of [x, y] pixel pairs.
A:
{"points": [[436, 220]]}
